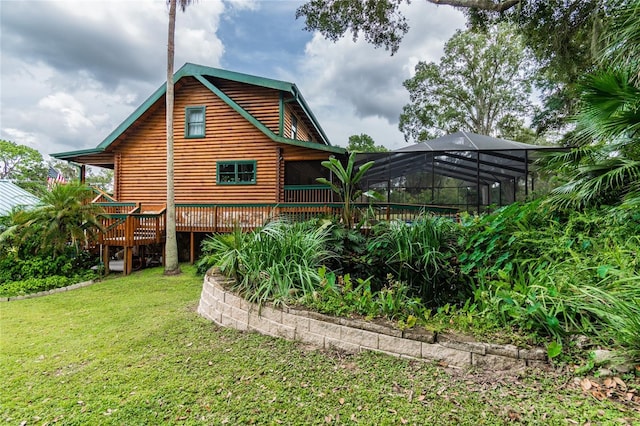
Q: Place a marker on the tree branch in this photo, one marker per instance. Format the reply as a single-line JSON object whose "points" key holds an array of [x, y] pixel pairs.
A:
{"points": [[492, 5]]}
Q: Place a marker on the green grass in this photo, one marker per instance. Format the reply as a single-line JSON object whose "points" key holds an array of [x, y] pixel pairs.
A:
{"points": [[133, 351]]}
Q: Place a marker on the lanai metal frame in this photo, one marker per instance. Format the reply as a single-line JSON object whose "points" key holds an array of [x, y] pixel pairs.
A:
{"points": [[479, 161]]}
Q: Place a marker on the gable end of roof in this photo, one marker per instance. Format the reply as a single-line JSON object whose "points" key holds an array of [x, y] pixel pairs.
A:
{"points": [[199, 72]]}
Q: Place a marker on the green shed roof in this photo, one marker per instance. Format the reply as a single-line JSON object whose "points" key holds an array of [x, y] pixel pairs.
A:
{"points": [[11, 196]]}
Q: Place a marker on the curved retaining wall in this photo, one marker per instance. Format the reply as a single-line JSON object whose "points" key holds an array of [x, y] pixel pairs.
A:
{"points": [[47, 292], [323, 331]]}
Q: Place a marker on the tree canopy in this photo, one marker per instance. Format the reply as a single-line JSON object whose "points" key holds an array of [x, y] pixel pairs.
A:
{"points": [[364, 143], [17, 161], [481, 84], [603, 168], [565, 36], [380, 22], [22, 164]]}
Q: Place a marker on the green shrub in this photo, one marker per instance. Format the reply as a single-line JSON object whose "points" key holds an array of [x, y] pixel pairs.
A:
{"points": [[223, 251], [344, 296], [34, 285], [422, 254], [552, 274], [16, 268]]}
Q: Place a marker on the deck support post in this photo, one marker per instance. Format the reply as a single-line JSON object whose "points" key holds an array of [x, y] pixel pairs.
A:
{"points": [[192, 253], [105, 259], [128, 260]]}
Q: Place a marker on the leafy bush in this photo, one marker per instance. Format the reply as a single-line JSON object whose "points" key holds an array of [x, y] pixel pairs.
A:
{"points": [[34, 285], [342, 296], [557, 274], [15, 268], [349, 246]]}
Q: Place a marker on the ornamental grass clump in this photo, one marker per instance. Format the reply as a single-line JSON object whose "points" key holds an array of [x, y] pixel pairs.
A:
{"points": [[421, 253], [277, 263]]}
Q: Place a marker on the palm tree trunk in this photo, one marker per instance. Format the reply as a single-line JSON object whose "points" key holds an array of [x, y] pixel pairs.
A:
{"points": [[171, 266]]}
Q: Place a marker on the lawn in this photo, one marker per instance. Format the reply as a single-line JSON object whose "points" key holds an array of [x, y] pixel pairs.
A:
{"points": [[132, 350]]}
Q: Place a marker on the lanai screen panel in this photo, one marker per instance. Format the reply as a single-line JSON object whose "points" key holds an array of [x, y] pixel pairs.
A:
{"points": [[462, 170]]}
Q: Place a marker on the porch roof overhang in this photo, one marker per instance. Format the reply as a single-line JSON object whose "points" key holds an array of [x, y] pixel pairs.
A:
{"points": [[92, 157]]}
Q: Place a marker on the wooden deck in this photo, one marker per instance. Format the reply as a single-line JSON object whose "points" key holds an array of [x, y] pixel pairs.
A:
{"points": [[133, 225]]}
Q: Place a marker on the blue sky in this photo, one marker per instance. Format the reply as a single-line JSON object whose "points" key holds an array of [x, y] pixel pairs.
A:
{"points": [[71, 71]]}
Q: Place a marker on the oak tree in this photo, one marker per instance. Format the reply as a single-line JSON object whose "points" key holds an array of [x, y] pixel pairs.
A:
{"points": [[23, 165], [481, 84], [364, 143]]}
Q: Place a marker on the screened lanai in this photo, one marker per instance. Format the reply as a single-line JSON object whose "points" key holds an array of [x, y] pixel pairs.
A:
{"points": [[464, 170]]}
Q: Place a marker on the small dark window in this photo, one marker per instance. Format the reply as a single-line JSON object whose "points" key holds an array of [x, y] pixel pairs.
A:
{"points": [[194, 122], [236, 172], [294, 127]]}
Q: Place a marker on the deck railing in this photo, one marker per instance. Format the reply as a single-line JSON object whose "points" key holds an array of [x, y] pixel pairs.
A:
{"points": [[132, 229], [224, 217], [308, 194], [124, 225], [117, 208]]}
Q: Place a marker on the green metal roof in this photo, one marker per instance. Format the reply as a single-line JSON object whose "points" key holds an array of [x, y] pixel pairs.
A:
{"points": [[69, 154], [200, 72], [12, 195]]}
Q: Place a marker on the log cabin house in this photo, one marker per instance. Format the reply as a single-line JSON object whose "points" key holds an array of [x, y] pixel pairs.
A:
{"points": [[245, 148]]}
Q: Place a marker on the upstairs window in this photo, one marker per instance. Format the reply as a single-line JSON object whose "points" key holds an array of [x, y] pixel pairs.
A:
{"points": [[236, 172], [294, 127], [194, 122]]}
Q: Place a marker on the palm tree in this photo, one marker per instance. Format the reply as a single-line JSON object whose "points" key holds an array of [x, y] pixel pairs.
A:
{"points": [[605, 164], [64, 216], [171, 252]]}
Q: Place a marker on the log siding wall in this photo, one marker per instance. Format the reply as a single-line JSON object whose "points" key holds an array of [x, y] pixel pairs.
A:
{"points": [[140, 157]]}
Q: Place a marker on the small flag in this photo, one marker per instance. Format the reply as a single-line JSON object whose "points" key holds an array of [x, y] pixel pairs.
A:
{"points": [[54, 177]]}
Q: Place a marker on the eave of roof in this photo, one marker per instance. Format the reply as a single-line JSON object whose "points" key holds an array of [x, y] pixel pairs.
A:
{"points": [[198, 71], [81, 152]]}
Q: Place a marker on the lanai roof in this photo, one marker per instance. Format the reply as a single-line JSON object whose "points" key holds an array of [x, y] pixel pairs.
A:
{"points": [[207, 76], [467, 141], [462, 155]]}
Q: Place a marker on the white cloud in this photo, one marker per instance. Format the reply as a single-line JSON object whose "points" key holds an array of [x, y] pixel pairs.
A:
{"points": [[73, 70], [354, 88], [69, 108]]}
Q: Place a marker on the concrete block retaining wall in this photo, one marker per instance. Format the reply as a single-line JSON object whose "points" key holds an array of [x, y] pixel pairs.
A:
{"points": [[352, 335], [47, 292]]}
